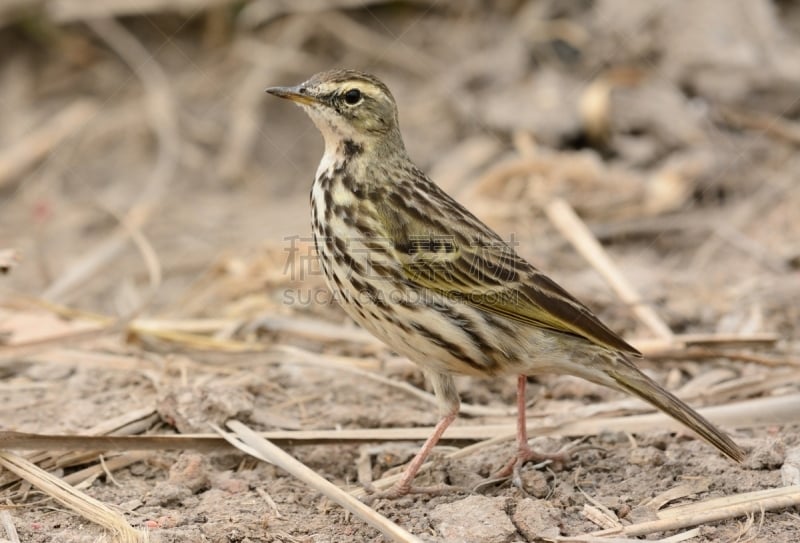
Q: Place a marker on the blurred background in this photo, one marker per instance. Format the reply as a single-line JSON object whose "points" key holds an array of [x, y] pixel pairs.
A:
{"points": [[670, 126], [146, 176]]}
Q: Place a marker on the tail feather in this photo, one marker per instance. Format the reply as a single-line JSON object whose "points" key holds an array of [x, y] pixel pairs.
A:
{"points": [[628, 377]]}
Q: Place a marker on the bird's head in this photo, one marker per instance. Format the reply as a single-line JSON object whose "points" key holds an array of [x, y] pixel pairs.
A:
{"points": [[346, 105]]}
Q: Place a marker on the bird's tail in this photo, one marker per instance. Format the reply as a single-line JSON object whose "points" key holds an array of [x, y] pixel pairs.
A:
{"points": [[629, 378]]}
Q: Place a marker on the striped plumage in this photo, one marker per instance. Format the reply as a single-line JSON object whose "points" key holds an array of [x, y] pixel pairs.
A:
{"points": [[416, 269]]}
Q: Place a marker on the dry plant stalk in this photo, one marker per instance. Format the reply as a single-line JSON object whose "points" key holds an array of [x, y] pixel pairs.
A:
{"points": [[8, 526], [254, 445], [712, 510], [575, 230], [17, 158], [753, 413], [162, 115], [89, 508]]}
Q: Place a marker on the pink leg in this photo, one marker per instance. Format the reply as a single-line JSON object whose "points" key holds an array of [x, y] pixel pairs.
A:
{"points": [[524, 451], [403, 486], [445, 390], [522, 426]]}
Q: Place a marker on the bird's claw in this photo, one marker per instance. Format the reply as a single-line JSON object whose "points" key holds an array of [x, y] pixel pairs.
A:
{"points": [[526, 454]]}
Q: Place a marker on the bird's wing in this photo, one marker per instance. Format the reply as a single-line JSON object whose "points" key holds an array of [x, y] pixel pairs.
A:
{"points": [[470, 263]]}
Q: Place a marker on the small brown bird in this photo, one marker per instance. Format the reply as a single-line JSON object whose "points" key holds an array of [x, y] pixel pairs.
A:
{"points": [[415, 268]]}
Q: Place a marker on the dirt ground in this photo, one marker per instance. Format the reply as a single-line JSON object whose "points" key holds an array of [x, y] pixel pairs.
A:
{"points": [[154, 224]]}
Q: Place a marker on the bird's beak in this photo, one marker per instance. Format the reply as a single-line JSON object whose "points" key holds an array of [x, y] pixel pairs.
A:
{"points": [[295, 94]]}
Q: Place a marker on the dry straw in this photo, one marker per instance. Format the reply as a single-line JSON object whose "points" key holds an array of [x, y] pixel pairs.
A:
{"points": [[82, 504]]}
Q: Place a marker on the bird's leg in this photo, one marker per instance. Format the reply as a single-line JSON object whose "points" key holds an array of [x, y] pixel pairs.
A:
{"points": [[403, 486], [524, 452], [445, 391]]}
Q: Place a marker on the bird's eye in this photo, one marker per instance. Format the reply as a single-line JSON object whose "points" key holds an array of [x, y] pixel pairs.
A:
{"points": [[352, 97]]}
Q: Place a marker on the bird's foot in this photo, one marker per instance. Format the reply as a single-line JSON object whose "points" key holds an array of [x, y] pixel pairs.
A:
{"points": [[526, 454], [400, 489]]}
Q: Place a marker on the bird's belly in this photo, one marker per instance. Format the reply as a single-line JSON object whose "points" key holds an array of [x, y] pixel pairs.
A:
{"points": [[435, 332], [393, 328]]}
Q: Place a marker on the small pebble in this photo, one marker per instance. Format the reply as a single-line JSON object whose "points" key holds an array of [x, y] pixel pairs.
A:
{"points": [[537, 519], [475, 519], [646, 457]]}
